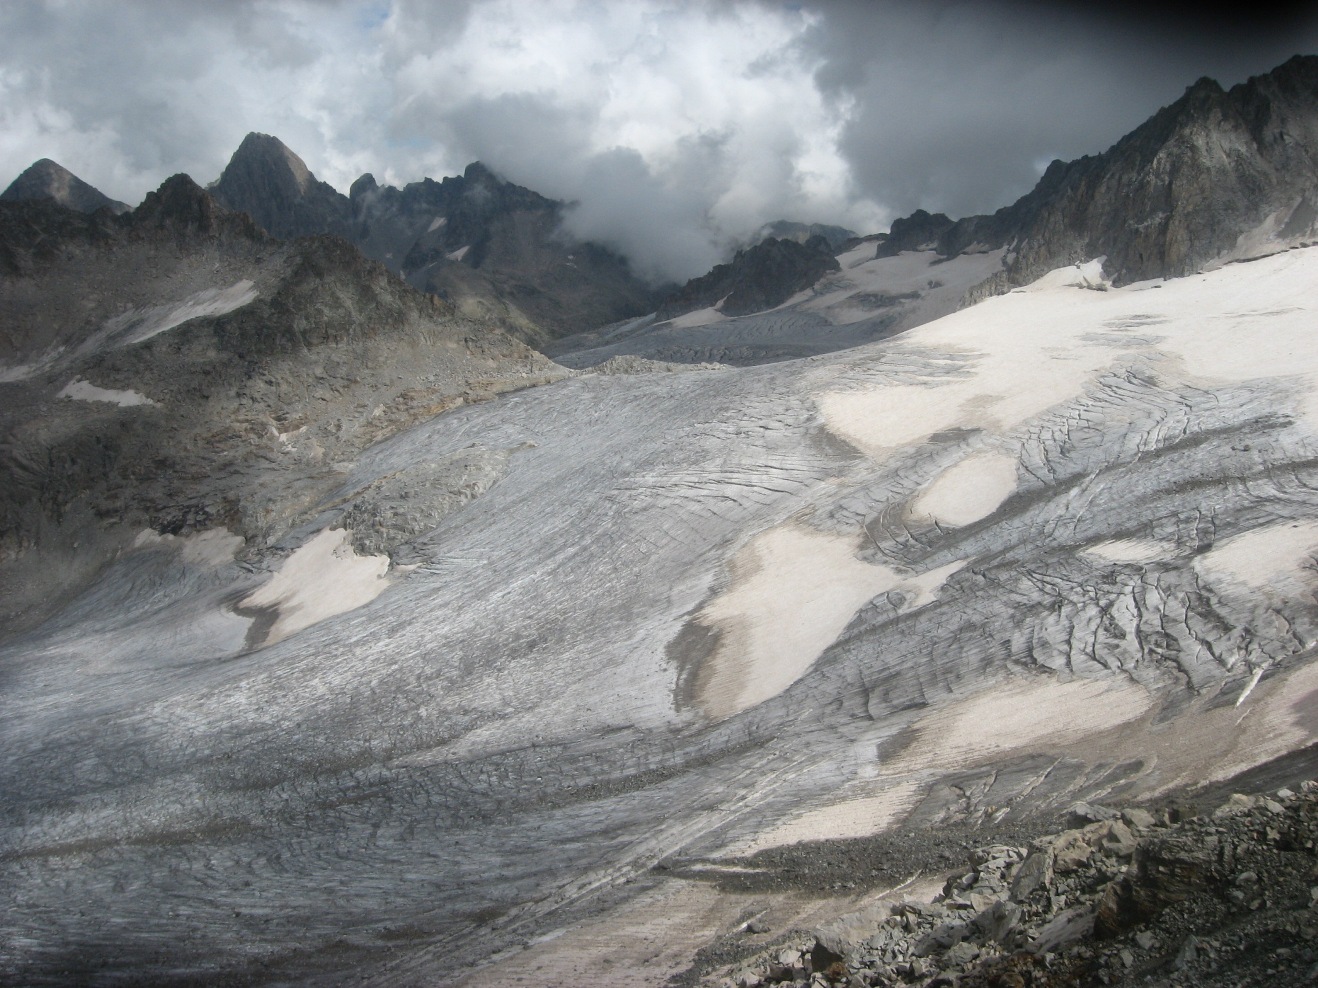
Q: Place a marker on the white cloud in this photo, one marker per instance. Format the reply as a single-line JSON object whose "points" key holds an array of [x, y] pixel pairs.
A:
{"points": [[679, 128]]}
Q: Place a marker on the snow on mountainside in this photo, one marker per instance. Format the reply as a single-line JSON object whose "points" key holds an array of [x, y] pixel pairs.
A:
{"points": [[1049, 548], [175, 367], [869, 298]]}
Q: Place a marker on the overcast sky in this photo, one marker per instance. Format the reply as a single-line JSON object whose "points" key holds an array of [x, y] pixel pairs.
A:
{"points": [[679, 127]]}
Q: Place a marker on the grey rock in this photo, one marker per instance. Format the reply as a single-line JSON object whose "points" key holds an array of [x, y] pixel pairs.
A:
{"points": [[758, 278], [1035, 872], [1081, 814], [960, 954], [1186, 955], [1137, 818], [1065, 928], [998, 921]]}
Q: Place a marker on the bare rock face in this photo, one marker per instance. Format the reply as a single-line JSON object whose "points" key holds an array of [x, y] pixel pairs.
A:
{"points": [[46, 179], [494, 247], [1220, 900], [1188, 186]]}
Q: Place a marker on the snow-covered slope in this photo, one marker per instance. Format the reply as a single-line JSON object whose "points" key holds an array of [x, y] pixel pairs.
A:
{"points": [[870, 298], [1054, 546]]}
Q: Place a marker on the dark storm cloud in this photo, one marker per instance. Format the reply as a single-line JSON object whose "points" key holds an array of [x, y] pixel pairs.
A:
{"points": [[959, 105]]}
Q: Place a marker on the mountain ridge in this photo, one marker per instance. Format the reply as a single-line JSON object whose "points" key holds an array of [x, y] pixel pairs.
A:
{"points": [[494, 248], [1183, 189]]}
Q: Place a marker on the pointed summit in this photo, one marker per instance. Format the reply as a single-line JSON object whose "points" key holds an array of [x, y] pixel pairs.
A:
{"points": [[270, 183], [47, 179]]}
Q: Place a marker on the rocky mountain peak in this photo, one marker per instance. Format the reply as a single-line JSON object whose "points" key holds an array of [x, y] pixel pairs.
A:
{"points": [[46, 179], [477, 172], [269, 159], [270, 183], [364, 185], [919, 231]]}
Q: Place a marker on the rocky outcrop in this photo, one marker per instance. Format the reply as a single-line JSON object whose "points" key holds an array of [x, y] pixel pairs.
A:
{"points": [[45, 179], [758, 278], [919, 231], [496, 248], [1217, 174], [1221, 899]]}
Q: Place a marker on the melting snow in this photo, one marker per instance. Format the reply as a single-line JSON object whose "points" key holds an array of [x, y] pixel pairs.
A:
{"points": [[81, 390], [793, 592], [323, 578], [1024, 353], [970, 490], [700, 317], [142, 324], [1277, 558]]}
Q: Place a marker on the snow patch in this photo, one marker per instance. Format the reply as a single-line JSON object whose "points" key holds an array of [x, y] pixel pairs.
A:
{"points": [[1008, 359], [458, 254], [80, 390], [142, 324], [323, 578], [1279, 558], [17, 372], [1029, 714], [793, 592], [917, 286], [860, 816], [970, 490], [700, 317], [1087, 275], [436, 223], [1128, 551]]}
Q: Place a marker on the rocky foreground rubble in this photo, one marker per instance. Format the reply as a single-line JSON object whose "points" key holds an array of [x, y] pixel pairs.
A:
{"points": [[1120, 898]]}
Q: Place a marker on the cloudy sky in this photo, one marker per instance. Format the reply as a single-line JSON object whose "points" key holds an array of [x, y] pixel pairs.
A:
{"points": [[678, 126]]}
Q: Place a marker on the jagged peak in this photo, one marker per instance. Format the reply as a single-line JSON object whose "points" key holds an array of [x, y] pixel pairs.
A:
{"points": [[364, 185], [266, 151], [184, 206]]}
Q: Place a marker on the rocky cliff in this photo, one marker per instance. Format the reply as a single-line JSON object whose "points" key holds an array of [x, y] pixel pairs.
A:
{"points": [[271, 184], [1116, 897], [1219, 174]]}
